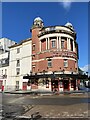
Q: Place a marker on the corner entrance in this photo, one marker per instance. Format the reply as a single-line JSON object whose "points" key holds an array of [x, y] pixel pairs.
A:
{"points": [[66, 85]]}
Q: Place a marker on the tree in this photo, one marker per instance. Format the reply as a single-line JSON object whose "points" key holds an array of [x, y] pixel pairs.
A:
{"points": [[80, 71]]}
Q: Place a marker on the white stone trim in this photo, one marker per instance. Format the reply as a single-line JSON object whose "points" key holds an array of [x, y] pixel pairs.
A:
{"points": [[25, 80], [38, 60], [57, 42], [63, 58], [69, 47], [56, 34], [73, 46], [63, 28], [55, 58], [48, 43], [60, 42]]}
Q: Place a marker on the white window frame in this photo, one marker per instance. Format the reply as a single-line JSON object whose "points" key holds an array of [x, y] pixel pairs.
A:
{"points": [[61, 44], [53, 43], [65, 63], [49, 63]]}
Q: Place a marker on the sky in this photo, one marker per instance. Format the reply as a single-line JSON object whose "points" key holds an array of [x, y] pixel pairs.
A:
{"points": [[18, 17]]}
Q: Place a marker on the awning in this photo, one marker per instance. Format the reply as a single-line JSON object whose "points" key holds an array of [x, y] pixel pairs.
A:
{"points": [[75, 76]]}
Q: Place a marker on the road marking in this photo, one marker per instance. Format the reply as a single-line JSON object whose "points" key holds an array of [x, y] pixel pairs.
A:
{"points": [[15, 100]]}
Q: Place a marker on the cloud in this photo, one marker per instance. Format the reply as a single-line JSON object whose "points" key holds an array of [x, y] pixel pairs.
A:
{"points": [[86, 68], [67, 4]]}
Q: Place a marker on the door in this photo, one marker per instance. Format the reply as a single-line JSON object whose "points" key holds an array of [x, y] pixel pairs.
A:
{"points": [[24, 85], [55, 86], [73, 84], [66, 85]]}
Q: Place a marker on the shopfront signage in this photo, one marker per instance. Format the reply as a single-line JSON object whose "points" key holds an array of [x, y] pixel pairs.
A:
{"points": [[64, 54]]}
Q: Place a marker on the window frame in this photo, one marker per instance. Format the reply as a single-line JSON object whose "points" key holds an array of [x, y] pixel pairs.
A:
{"points": [[18, 63], [65, 63], [18, 50], [17, 71], [62, 45], [49, 62], [53, 43], [33, 47]]}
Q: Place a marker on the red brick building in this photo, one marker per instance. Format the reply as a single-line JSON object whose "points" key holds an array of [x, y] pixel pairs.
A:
{"points": [[54, 57]]}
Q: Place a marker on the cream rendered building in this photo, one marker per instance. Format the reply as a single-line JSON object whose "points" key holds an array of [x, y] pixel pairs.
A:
{"points": [[5, 43], [20, 65]]}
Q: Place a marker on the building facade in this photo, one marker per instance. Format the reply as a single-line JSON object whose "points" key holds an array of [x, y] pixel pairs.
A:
{"points": [[4, 61], [54, 55], [19, 65]]}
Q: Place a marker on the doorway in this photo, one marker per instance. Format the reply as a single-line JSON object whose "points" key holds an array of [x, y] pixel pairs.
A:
{"points": [[66, 85], [55, 85], [73, 84], [24, 85]]}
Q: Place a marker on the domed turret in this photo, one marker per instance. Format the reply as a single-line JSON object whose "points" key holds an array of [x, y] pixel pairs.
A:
{"points": [[38, 22], [68, 24], [38, 19]]}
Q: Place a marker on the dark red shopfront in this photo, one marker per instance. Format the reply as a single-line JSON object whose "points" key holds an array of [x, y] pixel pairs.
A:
{"points": [[64, 84]]}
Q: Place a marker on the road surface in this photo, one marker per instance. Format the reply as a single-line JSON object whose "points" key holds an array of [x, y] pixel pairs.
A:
{"points": [[46, 106]]}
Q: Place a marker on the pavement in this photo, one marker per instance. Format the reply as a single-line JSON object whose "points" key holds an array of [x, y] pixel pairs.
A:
{"points": [[37, 92]]}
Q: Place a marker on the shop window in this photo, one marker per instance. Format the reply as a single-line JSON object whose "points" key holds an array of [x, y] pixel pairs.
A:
{"points": [[47, 83], [44, 82], [65, 63], [72, 84], [36, 82], [61, 84], [49, 63]]}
